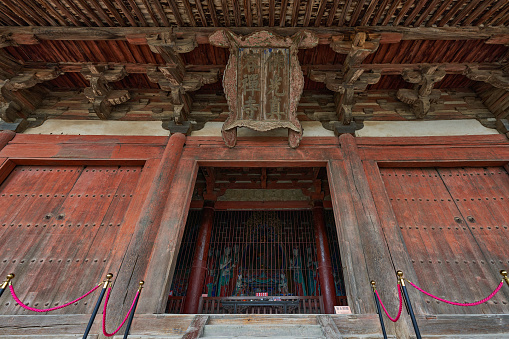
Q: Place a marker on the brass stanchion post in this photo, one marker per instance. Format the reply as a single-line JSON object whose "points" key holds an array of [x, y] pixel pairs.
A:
{"points": [[504, 275], [106, 284], [408, 304], [131, 316], [379, 310], [6, 283]]}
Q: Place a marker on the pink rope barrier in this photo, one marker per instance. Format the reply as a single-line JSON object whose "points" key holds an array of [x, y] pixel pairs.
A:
{"points": [[400, 305], [126, 316], [459, 304], [15, 297]]}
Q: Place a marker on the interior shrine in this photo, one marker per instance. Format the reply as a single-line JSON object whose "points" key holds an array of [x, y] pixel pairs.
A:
{"points": [[249, 169]]}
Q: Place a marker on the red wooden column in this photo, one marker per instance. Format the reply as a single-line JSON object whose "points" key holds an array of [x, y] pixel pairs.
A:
{"points": [[5, 137], [324, 262], [199, 268]]}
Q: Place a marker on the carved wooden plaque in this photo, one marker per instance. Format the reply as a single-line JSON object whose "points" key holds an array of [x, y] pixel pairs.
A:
{"points": [[263, 82]]}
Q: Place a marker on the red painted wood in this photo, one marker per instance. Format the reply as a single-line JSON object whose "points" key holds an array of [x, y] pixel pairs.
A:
{"points": [[451, 259], [54, 256], [391, 230], [199, 268], [327, 286], [471, 140], [138, 253], [355, 272], [169, 236], [88, 139], [5, 137]]}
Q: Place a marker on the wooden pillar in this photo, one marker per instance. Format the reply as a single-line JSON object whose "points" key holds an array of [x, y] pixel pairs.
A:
{"points": [[137, 255], [163, 259], [199, 268], [378, 258], [324, 261], [5, 137]]}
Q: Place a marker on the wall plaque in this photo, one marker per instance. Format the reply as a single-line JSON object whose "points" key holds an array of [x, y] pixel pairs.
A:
{"points": [[263, 82]]}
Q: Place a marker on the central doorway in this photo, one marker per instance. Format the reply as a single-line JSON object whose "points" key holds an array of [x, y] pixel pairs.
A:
{"points": [[260, 260]]}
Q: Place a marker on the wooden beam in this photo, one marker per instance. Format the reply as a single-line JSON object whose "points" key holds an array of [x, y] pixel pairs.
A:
{"points": [[202, 33], [385, 69]]}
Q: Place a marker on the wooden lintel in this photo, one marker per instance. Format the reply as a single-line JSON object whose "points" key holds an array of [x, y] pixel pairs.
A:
{"points": [[387, 34], [386, 69]]}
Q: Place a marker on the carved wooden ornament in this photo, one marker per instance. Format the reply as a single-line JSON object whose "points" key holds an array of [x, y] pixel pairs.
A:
{"points": [[263, 82]]}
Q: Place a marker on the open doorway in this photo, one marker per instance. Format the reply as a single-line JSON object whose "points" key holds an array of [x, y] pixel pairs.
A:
{"points": [[262, 253]]}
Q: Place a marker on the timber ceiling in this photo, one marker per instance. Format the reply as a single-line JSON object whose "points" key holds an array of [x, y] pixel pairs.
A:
{"points": [[467, 40], [254, 13]]}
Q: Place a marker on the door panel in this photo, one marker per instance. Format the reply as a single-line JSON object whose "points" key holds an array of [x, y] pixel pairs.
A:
{"points": [[449, 254], [58, 230]]}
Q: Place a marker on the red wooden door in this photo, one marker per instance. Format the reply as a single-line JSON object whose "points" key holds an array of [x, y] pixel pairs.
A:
{"points": [[452, 223], [58, 228]]}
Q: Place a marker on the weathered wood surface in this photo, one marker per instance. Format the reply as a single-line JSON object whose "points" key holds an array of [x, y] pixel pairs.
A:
{"points": [[146, 220], [5, 137], [378, 257], [454, 258], [195, 329], [329, 328], [55, 325], [59, 227], [388, 33], [355, 272], [399, 253], [164, 252]]}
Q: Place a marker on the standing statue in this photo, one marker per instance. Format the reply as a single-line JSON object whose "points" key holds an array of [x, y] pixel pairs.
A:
{"points": [[239, 286], [283, 284], [225, 266], [211, 272], [312, 269], [298, 277]]}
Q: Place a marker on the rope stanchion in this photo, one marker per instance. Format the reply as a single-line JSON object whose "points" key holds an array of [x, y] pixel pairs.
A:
{"points": [[130, 321], [6, 283], [105, 284], [20, 303], [504, 276], [135, 301], [455, 303], [385, 309], [409, 304], [379, 311]]}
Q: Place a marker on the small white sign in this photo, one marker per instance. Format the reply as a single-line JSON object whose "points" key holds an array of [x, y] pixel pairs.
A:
{"points": [[342, 309]]}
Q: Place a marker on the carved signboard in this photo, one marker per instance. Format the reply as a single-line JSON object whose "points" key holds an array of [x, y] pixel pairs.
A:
{"points": [[263, 82]]}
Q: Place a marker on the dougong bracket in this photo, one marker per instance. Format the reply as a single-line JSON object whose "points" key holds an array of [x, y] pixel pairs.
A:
{"points": [[422, 95], [15, 99], [100, 94]]}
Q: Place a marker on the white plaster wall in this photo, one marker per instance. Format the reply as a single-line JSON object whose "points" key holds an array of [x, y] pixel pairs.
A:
{"points": [[423, 128], [311, 129], [99, 127]]}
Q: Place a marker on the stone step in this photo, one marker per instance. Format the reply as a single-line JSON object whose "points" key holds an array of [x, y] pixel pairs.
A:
{"points": [[259, 337], [262, 331], [138, 336], [49, 336], [262, 319]]}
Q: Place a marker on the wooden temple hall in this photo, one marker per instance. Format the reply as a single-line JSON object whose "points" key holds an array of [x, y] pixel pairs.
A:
{"points": [[257, 164]]}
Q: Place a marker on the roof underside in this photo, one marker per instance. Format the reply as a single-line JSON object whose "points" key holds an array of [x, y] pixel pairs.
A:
{"points": [[254, 13]]}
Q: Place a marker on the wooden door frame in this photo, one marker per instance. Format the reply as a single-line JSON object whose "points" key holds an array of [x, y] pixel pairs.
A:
{"points": [[269, 152]]}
